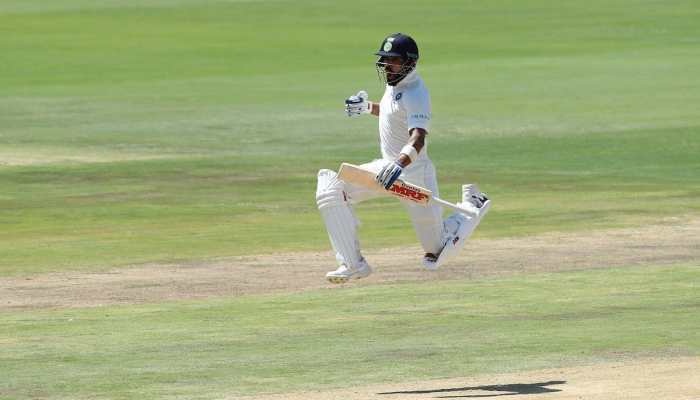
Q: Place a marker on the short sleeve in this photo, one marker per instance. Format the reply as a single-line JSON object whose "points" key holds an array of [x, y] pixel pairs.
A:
{"points": [[418, 111]]}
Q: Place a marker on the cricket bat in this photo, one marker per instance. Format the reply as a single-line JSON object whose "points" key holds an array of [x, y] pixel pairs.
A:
{"points": [[361, 177]]}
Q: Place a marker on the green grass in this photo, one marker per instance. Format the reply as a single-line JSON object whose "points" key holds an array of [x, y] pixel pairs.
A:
{"points": [[135, 131], [153, 130], [350, 336]]}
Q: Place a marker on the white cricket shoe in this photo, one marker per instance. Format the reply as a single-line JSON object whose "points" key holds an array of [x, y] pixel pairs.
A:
{"points": [[472, 195], [345, 273]]}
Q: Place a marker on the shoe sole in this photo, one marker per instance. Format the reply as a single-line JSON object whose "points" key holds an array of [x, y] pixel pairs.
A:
{"points": [[337, 279], [345, 279]]}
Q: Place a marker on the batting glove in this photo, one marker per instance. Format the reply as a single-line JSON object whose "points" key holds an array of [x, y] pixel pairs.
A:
{"points": [[389, 174], [358, 104]]}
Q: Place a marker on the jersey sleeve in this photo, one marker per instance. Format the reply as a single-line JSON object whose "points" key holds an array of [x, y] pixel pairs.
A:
{"points": [[418, 112]]}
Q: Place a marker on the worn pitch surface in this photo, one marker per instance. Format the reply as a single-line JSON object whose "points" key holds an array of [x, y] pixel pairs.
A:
{"points": [[639, 380], [671, 241]]}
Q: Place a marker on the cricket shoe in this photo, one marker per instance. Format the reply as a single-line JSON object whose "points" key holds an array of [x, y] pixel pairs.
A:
{"points": [[345, 273], [471, 195]]}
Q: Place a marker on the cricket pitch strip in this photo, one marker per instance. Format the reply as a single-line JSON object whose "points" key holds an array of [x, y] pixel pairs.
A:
{"points": [[675, 379], [671, 241]]}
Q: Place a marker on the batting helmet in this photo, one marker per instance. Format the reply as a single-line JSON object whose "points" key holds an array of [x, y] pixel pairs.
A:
{"points": [[396, 45]]}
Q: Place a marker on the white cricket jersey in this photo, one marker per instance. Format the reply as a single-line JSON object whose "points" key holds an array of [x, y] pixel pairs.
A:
{"points": [[402, 108]]}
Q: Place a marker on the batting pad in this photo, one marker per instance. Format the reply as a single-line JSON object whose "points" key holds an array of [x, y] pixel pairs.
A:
{"points": [[339, 218], [458, 228]]}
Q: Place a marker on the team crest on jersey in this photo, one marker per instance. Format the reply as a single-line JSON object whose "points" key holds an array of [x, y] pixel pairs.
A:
{"points": [[398, 96]]}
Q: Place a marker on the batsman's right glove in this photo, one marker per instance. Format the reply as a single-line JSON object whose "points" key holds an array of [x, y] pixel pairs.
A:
{"points": [[358, 104], [389, 174]]}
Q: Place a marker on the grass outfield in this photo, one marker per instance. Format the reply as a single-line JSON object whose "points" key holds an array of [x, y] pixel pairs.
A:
{"points": [[164, 130], [345, 337], [134, 131]]}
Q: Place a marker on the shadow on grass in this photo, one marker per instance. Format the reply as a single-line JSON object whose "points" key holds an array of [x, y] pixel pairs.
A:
{"points": [[509, 390]]}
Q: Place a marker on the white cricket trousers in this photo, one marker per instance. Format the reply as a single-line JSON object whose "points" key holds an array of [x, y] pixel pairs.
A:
{"points": [[335, 199]]}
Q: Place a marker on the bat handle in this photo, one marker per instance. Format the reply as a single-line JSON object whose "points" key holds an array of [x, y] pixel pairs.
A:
{"points": [[471, 212]]}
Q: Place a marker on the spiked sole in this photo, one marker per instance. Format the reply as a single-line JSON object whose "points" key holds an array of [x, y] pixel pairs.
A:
{"points": [[346, 278], [337, 279]]}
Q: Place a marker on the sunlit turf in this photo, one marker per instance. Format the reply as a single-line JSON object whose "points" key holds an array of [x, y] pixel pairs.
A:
{"points": [[153, 131], [102, 214], [351, 336]]}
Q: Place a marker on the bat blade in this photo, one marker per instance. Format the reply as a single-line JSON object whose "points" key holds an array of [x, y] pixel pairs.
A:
{"points": [[361, 177]]}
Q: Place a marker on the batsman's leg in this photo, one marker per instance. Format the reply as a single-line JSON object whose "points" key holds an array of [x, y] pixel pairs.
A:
{"points": [[458, 227], [341, 225], [428, 225], [427, 221]]}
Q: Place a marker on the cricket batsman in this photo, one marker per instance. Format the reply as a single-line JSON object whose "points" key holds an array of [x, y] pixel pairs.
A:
{"points": [[404, 122]]}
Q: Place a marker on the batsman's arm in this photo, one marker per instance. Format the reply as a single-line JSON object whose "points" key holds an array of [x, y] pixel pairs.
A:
{"points": [[392, 170], [417, 141]]}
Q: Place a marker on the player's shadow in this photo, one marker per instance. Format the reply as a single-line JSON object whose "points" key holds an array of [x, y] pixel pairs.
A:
{"points": [[508, 390]]}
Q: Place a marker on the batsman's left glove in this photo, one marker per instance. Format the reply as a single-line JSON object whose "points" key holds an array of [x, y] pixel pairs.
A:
{"points": [[389, 174], [358, 104]]}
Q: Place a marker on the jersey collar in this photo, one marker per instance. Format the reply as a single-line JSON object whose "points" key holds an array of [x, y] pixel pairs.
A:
{"points": [[409, 79]]}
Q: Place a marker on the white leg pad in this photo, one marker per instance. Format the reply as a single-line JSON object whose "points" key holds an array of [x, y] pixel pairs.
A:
{"points": [[339, 218], [458, 228]]}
